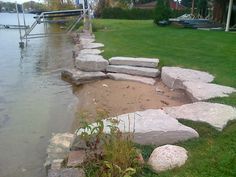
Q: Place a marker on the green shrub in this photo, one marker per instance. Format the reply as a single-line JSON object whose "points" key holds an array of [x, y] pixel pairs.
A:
{"points": [[130, 14], [162, 11]]}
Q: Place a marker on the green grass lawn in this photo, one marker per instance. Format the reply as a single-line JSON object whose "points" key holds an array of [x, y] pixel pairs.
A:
{"points": [[214, 153], [211, 51]]}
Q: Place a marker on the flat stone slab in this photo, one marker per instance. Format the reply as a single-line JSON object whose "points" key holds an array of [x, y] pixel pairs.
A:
{"points": [[215, 114], [89, 62], [78, 77], [151, 126], [167, 157], [66, 172], [127, 77], [86, 36], [199, 91], [93, 45], [85, 41], [174, 77], [76, 158], [139, 71], [59, 147], [90, 51], [131, 61]]}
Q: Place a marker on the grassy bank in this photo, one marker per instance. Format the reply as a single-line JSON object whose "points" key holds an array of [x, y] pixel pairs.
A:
{"points": [[214, 153], [211, 51]]}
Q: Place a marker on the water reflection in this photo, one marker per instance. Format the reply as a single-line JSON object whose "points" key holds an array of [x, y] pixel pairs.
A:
{"points": [[34, 102]]}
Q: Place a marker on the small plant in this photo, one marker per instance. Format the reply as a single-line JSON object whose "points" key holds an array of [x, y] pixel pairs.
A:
{"points": [[109, 155]]}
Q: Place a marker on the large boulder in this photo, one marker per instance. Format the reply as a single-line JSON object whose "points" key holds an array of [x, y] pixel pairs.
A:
{"points": [[167, 157], [89, 62], [151, 126], [131, 61], [215, 114], [127, 77], [199, 91], [140, 71], [78, 77], [174, 77]]}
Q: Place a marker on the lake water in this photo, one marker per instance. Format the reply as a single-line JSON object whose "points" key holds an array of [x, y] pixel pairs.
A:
{"points": [[34, 101]]}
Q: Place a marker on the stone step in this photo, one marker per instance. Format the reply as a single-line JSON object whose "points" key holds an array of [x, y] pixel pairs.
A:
{"points": [[174, 77], [90, 62], [215, 114], [152, 126], [78, 77], [199, 91], [90, 51], [127, 77], [139, 71], [131, 61]]}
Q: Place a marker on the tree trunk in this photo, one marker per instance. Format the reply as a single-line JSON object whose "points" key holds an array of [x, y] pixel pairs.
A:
{"points": [[219, 9]]}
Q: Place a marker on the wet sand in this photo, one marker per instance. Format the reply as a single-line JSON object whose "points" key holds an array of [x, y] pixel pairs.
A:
{"points": [[118, 97]]}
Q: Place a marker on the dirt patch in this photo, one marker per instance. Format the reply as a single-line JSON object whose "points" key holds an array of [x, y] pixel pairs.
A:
{"points": [[119, 97]]}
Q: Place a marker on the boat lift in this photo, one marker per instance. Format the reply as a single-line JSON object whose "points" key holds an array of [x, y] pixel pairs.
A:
{"points": [[46, 17]]}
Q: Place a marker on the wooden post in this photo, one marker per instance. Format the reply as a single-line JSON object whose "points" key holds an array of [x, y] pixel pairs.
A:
{"points": [[229, 15]]}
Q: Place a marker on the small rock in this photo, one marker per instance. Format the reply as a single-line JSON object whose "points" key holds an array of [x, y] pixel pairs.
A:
{"points": [[57, 164], [159, 90], [167, 157], [104, 85], [76, 158]]}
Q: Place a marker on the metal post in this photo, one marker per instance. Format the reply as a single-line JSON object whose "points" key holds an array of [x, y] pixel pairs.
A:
{"points": [[229, 15], [24, 23], [20, 43], [83, 4]]}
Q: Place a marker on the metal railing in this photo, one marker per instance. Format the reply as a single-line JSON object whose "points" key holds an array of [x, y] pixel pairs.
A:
{"points": [[45, 17]]}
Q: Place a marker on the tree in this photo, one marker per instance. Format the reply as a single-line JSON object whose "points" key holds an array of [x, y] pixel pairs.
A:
{"points": [[162, 11], [59, 4], [186, 3], [202, 7]]}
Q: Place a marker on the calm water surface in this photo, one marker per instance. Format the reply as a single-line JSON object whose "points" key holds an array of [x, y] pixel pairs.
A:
{"points": [[34, 102]]}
